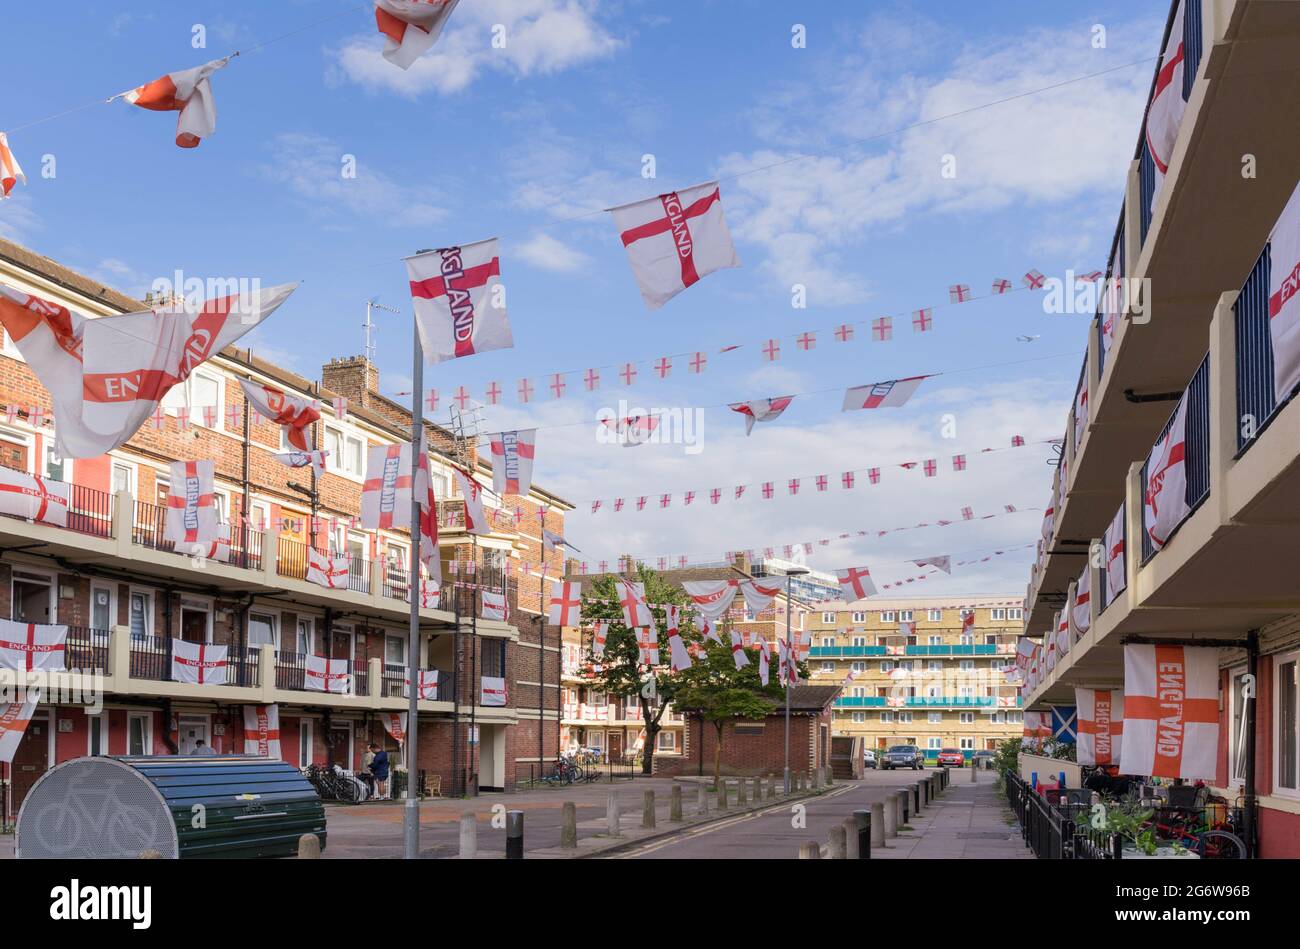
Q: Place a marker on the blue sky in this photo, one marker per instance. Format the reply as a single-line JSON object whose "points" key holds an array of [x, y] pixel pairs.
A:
{"points": [[475, 142]]}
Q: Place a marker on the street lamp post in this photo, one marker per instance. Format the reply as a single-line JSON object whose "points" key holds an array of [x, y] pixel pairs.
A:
{"points": [[790, 574]]}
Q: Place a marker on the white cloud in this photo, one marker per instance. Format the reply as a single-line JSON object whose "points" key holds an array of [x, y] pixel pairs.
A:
{"points": [[18, 219], [541, 36], [546, 252]]}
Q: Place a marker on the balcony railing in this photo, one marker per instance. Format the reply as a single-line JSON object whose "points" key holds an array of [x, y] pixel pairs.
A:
{"points": [[87, 649], [292, 562], [922, 701], [1196, 456], [89, 511], [859, 652], [151, 658], [1256, 398], [1103, 589], [243, 543], [393, 684]]}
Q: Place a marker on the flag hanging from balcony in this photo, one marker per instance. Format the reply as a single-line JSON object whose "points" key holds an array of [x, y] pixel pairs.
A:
{"points": [[758, 595], [188, 92], [631, 597], [192, 515], [856, 583], [327, 675], [33, 498], [738, 650], [386, 493], [1063, 642], [459, 301], [1165, 114], [565, 605], [302, 459], [292, 413], [889, 394], [1164, 503], [512, 461], [1080, 411], [711, 598], [219, 549], [675, 239], [1038, 728], [1171, 711], [471, 492], [761, 410], [200, 663], [1081, 609], [1116, 573], [494, 693], [677, 654], [1024, 651], [394, 724], [1049, 644], [328, 570], [10, 171], [495, 606], [411, 27], [431, 591], [428, 685], [14, 718], [33, 647], [1284, 299], [261, 729], [1101, 726], [107, 375]]}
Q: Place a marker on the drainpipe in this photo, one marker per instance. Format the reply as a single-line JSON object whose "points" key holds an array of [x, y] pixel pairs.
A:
{"points": [[167, 727], [1252, 721]]}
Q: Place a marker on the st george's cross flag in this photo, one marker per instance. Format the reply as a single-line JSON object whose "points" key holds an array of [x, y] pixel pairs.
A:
{"points": [[303, 459], [395, 725], [292, 412], [761, 410], [678, 657], [1165, 114], [1171, 711], [709, 630], [758, 594], [33, 647], [1063, 638], [192, 515], [33, 498], [764, 660], [327, 570], [430, 592], [1101, 726], [1164, 503], [738, 650], [1284, 299], [107, 375], [855, 583], [10, 171], [674, 239], [1081, 411], [386, 493], [879, 395], [564, 608], [1113, 542], [599, 631], [200, 663], [1081, 608], [711, 598], [428, 685], [512, 461], [262, 730], [14, 719], [647, 642], [471, 493], [459, 301], [410, 27], [327, 675], [188, 92], [495, 606], [631, 597]]}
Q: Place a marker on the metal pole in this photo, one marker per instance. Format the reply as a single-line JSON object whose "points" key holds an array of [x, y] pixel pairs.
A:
{"points": [[787, 684], [411, 809], [1249, 804], [541, 654]]}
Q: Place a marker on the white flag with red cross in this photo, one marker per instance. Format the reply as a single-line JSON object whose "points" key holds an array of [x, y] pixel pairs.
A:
{"points": [[39, 500], [192, 515], [1165, 114], [943, 562], [512, 461], [410, 27], [471, 493], [327, 675], [631, 597], [564, 608], [764, 660], [262, 730], [758, 594], [599, 630], [188, 92], [1081, 609], [678, 656], [761, 410], [428, 685], [10, 171], [709, 631], [647, 641], [1063, 640], [293, 413], [1164, 503], [889, 394], [459, 301], [1284, 299], [32, 647], [14, 718], [1101, 726], [1171, 711], [738, 650], [1116, 573], [386, 492], [394, 724], [675, 239], [200, 663], [495, 606], [303, 459], [856, 581], [107, 375], [327, 570]]}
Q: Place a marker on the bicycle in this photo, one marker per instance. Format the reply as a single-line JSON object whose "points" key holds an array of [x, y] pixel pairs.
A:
{"points": [[1191, 820]]}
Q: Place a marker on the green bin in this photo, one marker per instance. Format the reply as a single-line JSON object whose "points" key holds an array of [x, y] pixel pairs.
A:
{"points": [[213, 806]]}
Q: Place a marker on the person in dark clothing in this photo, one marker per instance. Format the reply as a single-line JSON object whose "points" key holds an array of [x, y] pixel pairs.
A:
{"points": [[379, 768]]}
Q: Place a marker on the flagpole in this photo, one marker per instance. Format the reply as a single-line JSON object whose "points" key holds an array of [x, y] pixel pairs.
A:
{"points": [[411, 809], [787, 684], [541, 652]]}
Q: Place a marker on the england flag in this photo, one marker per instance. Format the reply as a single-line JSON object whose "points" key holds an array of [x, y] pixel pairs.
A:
{"points": [[192, 516], [675, 239], [1171, 711], [1165, 501], [892, 393], [188, 92], [1165, 114], [327, 675], [1101, 726], [33, 498], [327, 570], [262, 730], [14, 718], [512, 461], [459, 300], [410, 27], [199, 663], [10, 171], [855, 583], [711, 598], [1284, 299], [761, 410], [294, 413], [33, 647], [386, 493]]}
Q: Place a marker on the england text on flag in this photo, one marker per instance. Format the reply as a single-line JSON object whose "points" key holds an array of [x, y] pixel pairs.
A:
{"points": [[292, 412], [459, 301], [674, 239], [512, 461], [192, 516], [1284, 299]]}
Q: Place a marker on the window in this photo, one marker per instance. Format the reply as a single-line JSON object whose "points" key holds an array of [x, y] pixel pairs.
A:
{"points": [[936, 640], [991, 640], [934, 718], [826, 666], [998, 614], [966, 613], [904, 718], [1015, 613], [905, 616], [139, 734], [123, 477], [346, 452], [887, 665], [859, 617], [261, 630], [888, 616], [304, 742], [859, 691], [886, 718], [966, 665], [395, 652], [259, 514], [859, 640], [1286, 774], [666, 741], [966, 744], [859, 718], [967, 718], [101, 607], [97, 734], [141, 614], [596, 740], [599, 699], [828, 617], [907, 664], [305, 638], [935, 665], [935, 616], [859, 666], [934, 744], [202, 389], [56, 468], [828, 642]]}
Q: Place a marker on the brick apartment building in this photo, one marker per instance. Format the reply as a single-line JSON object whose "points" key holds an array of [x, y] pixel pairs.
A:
{"points": [[125, 593]]}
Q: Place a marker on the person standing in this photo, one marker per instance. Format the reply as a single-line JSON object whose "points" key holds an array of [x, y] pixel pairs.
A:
{"points": [[379, 768], [366, 774]]}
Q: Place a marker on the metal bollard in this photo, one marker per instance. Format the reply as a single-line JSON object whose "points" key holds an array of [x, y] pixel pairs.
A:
{"points": [[974, 769], [468, 836], [514, 835], [867, 828], [877, 824], [851, 838], [947, 777], [675, 804], [835, 843], [612, 817], [568, 826], [648, 810], [891, 813], [810, 851]]}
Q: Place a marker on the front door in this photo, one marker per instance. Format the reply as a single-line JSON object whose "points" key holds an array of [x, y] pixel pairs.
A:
{"points": [[31, 759], [340, 747], [615, 746], [191, 731]]}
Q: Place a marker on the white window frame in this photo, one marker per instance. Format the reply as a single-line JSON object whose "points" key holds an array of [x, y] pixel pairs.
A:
{"points": [[146, 732], [934, 718], [132, 474], [935, 616], [148, 611], [111, 589], [998, 613], [888, 616], [859, 718], [966, 718], [305, 734], [859, 640], [859, 617], [886, 718], [1015, 612], [905, 616], [936, 640], [934, 743], [828, 617], [1278, 661], [886, 665], [102, 719], [334, 460], [966, 744]]}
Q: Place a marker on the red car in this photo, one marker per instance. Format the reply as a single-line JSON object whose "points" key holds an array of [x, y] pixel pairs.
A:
{"points": [[952, 757]]}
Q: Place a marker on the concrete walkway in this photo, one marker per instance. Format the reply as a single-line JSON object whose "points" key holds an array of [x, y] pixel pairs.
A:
{"points": [[968, 821]]}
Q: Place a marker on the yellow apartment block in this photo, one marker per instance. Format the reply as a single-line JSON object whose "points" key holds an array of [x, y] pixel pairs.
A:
{"points": [[926, 671]]}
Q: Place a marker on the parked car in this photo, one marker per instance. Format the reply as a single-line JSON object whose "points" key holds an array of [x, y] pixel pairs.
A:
{"points": [[951, 757], [869, 758], [983, 759], [902, 756]]}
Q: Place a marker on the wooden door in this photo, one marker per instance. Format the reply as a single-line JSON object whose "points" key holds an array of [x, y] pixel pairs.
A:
{"points": [[31, 759], [615, 746], [194, 626]]}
